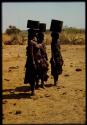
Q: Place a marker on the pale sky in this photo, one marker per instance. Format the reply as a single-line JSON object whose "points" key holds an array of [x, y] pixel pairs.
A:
{"points": [[17, 13]]}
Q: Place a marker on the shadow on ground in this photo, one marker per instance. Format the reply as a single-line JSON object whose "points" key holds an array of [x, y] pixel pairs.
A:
{"points": [[13, 95], [16, 96], [49, 85], [22, 92]]}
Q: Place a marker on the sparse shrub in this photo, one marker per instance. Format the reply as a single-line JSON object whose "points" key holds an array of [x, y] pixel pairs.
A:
{"points": [[67, 36], [12, 30], [15, 35]]}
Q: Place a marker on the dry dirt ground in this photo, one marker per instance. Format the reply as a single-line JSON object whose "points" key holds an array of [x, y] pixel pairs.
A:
{"points": [[62, 104]]}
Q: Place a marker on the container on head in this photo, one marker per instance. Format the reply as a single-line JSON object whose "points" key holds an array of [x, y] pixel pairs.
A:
{"points": [[32, 24], [56, 25], [42, 27]]}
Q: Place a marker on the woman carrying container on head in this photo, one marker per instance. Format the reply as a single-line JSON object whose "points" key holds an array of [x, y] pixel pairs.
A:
{"points": [[56, 57]]}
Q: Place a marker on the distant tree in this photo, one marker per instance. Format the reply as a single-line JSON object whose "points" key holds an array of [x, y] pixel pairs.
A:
{"points": [[10, 26], [12, 30]]}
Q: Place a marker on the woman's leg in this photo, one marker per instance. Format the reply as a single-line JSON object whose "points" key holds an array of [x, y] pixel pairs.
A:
{"points": [[37, 83], [33, 88], [56, 80], [42, 83]]}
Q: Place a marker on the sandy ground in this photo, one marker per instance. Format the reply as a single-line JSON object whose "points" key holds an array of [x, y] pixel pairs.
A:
{"points": [[62, 104]]}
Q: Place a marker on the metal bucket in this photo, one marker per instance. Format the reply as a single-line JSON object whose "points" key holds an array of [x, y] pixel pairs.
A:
{"points": [[32, 24], [56, 26], [42, 27]]}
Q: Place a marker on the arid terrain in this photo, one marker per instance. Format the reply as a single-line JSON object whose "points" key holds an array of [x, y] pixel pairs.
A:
{"points": [[62, 104]]}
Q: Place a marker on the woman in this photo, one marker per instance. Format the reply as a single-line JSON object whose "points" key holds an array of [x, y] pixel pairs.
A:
{"points": [[41, 61], [56, 59], [30, 74]]}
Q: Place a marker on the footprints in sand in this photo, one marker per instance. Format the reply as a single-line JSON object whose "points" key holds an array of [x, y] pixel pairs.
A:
{"points": [[59, 87], [78, 90], [14, 104], [12, 68], [18, 112], [4, 102], [71, 65], [6, 79], [66, 75], [10, 112], [47, 95], [62, 90], [78, 69], [64, 93]]}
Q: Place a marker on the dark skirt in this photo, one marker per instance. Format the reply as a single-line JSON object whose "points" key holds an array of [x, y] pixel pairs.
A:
{"points": [[30, 72], [56, 67], [42, 68]]}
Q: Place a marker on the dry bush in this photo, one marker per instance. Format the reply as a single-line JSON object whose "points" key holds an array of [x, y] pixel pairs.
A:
{"points": [[6, 39], [48, 39], [13, 36], [72, 37], [67, 36], [13, 39]]}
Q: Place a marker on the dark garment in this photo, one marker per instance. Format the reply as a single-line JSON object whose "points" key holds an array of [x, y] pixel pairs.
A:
{"points": [[56, 59], [41, 63], [30, 71], [56, 68], [30, 67], [36, 64], [42, 68]]}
